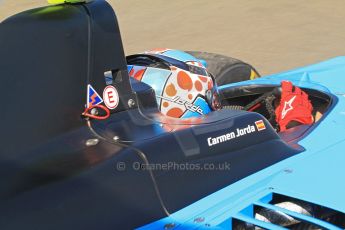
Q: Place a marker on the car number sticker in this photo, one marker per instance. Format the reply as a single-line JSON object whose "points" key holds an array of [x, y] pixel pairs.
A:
{"points": [[111, 97]]}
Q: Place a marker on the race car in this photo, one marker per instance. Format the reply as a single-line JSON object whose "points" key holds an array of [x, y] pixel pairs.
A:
{"points": [[86, 146]]}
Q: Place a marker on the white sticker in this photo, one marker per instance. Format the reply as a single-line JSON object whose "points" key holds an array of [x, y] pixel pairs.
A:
{"points": [[232, 135], [92, 97], [111, 97]]}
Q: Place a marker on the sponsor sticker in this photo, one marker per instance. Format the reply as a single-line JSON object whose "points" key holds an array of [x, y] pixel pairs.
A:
{"points": [[111, 97], [260, 125], [93, 97]]}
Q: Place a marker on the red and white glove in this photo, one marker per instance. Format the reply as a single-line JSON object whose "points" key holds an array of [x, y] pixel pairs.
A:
{"points": [[294, 106]]}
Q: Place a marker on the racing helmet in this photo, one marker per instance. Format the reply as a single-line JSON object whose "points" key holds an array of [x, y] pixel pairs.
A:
{"points": [[182, 84]]}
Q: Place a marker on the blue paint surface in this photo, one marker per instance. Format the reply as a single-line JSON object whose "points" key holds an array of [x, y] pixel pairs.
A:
{"points": [[202, 104], [157, 79], [180, 55], [315, 175]]}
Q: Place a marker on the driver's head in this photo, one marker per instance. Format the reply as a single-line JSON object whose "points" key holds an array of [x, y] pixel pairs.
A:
{"points": [[181, 82]]}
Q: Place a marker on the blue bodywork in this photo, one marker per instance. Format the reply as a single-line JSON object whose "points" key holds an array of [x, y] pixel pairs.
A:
{"points": [[315, 175], [62, 170]]}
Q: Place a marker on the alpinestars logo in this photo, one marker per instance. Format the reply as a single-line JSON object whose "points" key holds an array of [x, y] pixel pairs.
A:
{"points": [[189, 106], [287, 106]]}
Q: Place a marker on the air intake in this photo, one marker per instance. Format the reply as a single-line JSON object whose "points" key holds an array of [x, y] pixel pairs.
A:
{"points": [[277, 211]]}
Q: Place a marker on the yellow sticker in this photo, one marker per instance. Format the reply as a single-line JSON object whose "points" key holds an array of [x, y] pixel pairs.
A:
{"points": [[56, 1], [66, 1], [253, 74]]}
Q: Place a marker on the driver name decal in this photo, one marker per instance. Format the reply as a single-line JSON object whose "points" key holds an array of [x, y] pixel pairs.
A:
{"points": [[239, 132]]}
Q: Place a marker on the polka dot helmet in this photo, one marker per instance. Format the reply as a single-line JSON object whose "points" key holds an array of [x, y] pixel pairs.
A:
{"points": [[182, 85]]}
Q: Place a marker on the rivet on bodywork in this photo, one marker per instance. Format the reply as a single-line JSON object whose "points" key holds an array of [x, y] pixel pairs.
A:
{"points": [[169, 226], [199, 219], [92, 142], [288, 170], [131, 103], [94, 111]]}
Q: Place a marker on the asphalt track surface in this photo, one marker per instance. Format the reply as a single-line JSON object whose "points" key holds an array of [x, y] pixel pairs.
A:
{"points": [[272, 35]]}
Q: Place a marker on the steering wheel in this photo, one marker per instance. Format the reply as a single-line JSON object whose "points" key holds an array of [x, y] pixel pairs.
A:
{"points": [[267, 100]]}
